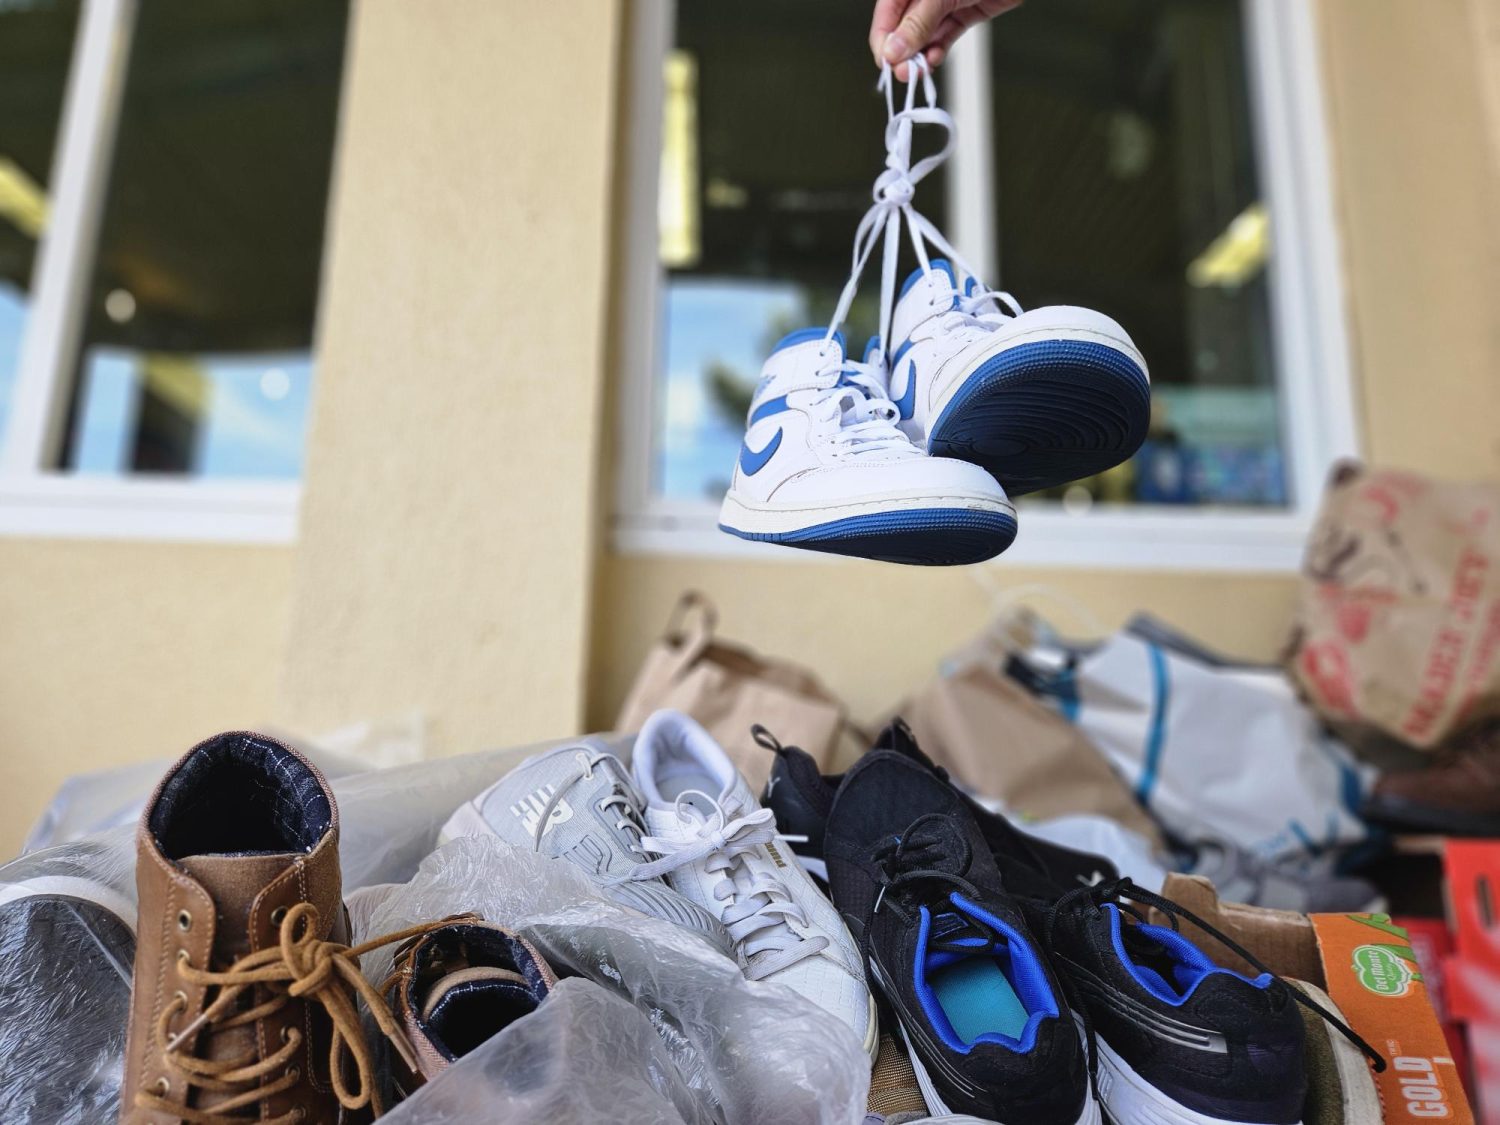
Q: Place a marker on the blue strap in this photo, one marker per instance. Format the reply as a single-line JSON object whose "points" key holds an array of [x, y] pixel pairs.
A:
{"points": [[1156, 737]]}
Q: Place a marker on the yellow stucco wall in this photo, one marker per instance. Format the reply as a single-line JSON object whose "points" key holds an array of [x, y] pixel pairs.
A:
{"points": [[116, 652], [449, 516]]}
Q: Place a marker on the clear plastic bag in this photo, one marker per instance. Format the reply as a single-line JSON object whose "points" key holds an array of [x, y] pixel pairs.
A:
{"points": [[662, 1028], [747, 1051]]}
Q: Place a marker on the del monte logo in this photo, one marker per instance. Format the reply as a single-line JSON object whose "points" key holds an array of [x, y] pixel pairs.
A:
{"points": [[1382, 971]]}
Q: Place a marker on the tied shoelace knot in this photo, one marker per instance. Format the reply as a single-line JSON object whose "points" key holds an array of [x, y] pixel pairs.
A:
{"points": [[299, 967], [758, 910], [893, 195]]}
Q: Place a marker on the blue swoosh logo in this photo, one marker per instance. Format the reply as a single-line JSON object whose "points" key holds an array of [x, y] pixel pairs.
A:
{"points": [[752, 461], [908, 400]]}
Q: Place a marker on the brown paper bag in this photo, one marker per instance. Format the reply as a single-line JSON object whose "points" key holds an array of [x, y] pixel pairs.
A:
{"points": [[729, 689], [1398, 623], [992, 735]]}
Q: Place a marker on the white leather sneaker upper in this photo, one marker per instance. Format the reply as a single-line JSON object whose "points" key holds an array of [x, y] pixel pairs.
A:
{"points": [[946, 324], [821, 431], [718, 848]]}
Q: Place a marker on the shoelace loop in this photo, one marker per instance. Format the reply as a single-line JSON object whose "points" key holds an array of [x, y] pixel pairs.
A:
{"points": [[299, 966], [1096, 896], [760, 914]]}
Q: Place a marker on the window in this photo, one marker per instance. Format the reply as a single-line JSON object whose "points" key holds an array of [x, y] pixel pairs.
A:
{"points": [[36, 41], [165, 367], [1159, 160]]}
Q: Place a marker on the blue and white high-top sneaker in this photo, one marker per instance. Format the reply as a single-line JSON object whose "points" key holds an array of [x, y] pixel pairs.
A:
{"points": [[1037, 398], [824, 467]]}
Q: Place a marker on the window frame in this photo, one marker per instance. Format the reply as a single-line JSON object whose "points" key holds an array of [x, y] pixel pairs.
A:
{"points": [[37, 500], [1316, 398]]}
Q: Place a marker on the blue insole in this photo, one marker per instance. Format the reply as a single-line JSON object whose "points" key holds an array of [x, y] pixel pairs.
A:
{"points": [[977, 999]]}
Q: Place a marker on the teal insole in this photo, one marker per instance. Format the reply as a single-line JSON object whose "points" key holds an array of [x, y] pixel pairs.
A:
{"points": [[977, 998]]}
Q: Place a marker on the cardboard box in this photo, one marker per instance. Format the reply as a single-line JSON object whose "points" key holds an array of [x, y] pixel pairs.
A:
{"points": [[1366, 965]]}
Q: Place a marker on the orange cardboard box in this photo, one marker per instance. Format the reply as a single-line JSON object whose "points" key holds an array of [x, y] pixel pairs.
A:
{"points": [[1366, 965]]}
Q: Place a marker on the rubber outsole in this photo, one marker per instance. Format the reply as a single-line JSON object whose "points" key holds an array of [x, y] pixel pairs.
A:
{"points": [[930, 537], [1040, 415]]}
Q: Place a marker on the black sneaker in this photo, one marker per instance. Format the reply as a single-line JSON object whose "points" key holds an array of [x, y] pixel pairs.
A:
{"points": [[985, 1022], [800, 798], [1179, 1039]]}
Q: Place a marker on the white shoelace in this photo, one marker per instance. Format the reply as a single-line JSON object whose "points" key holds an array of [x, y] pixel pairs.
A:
{"points": [[854, 413], [760, 914], [618, 802], [893, 193]]}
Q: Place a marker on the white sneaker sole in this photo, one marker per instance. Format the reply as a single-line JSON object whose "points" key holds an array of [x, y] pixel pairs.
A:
{"points": [[901, 527], [1091, 1114], [1129, 1097]]}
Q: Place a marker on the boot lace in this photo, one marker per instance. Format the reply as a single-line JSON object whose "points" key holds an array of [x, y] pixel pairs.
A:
{"points": [[301, 967]]}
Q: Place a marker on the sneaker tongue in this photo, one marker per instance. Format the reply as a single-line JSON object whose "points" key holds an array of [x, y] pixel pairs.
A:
{"points": [[795, 363], [233, 881], [924, 296]]}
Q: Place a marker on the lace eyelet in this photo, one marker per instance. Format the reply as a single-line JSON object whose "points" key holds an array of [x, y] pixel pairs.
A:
{"points": [[180, 997], [286, 1034], [182, 958], [278, 916], [295, 1074], [162, 1087], [184, 921], [299, 1114]]}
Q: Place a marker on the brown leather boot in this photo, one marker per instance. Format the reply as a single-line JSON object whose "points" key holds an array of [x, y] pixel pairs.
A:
{"points": [[1457, 795], [244, 980], [457, 985]]}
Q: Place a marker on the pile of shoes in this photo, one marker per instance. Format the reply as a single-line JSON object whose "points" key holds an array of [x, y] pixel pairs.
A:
{"points": [[623, 929], [911, 451]]}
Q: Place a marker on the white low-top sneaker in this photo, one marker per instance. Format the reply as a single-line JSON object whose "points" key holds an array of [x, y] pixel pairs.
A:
{"points": [[1036, 398], [717, 847], [824, 467]]}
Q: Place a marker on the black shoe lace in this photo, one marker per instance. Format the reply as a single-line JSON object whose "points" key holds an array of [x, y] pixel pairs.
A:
{"points": [[1096, 896], [904, 861]]}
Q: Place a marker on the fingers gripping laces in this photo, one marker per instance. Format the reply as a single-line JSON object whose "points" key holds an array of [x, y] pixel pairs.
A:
{"points": [[760, 914], [301, 967], [618, 803], [1096, 896]]}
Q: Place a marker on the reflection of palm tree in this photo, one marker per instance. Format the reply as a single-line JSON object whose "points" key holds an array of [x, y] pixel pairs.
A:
{"points": [[730, 391]]}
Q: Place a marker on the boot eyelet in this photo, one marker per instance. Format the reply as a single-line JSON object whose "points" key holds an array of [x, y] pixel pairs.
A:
{"points": [[278, 916], [295, 1074], [162, 1087], [182, 957], [184, 921], [299, 1114], [180, 997]]}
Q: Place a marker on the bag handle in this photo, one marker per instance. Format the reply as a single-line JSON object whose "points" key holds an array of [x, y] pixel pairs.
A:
{"points": [[690, 630]]}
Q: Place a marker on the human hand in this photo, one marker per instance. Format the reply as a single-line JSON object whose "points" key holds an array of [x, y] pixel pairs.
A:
{"points": [[904, 28]]}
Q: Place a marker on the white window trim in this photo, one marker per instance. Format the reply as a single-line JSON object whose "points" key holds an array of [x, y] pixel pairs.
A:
{"points": [[1307, 295], [36, 500]]}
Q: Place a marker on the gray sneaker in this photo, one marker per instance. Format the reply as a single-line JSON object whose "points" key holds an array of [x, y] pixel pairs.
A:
{"points": [[577, 803]]}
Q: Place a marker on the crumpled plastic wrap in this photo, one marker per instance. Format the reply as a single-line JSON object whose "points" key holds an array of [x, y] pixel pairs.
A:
{"points": [[654, 1027], [749, 1051]]}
